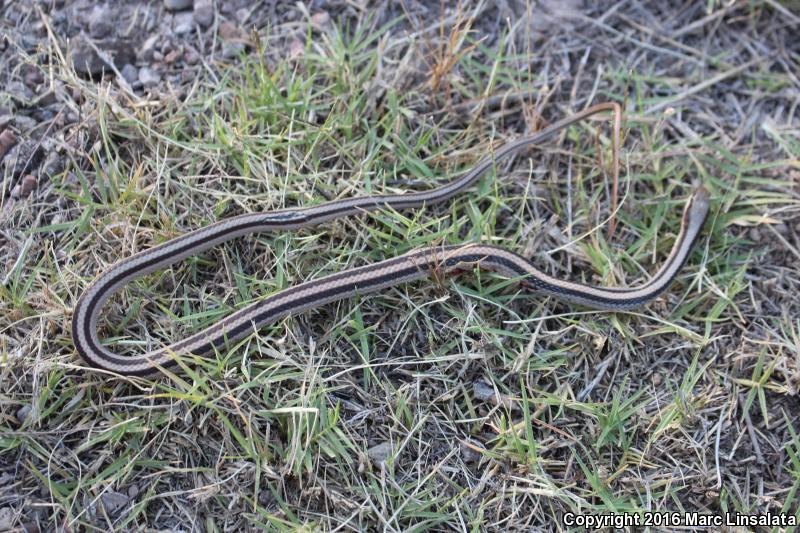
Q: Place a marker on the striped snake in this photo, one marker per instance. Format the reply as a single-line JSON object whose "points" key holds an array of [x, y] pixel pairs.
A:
{"points": [[416, 264]]}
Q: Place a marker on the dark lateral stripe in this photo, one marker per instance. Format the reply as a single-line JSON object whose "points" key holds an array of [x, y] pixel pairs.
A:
{"points": [[285, 292]]}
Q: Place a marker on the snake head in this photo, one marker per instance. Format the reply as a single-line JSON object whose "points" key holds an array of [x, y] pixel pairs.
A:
{"points": [[698, 205]]}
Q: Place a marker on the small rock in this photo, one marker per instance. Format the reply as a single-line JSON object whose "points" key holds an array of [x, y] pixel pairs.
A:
{"points": [[53, 165], [23, 413], [231, 49], [114, 502], [486, 393], [191, 56], [85, 60], [482, 391], [7, 141], [173, 56], [177, 5], [19, 92], [100, 22], [204, 13], [6, 518], [27, 185], [22, 158], [48, 98], [133, 491], [230, 31], [319, 21], [183, 23], [296, 49], [754, 234], [469, 453], [782, 229], [380, 452], [149, 47], [130, 73], [149, 77], [24, 124]]}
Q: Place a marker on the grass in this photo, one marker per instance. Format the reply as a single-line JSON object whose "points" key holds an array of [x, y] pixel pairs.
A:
{"points": [[499, 409]]}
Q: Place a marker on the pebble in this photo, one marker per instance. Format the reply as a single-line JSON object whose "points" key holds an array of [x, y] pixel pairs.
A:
{"points": [[85, 60], [149, 47], [486, 393], [177, 5], [469, 453], [23, 413], [149, 77], [22, 158], [230, 31], [114, 502], [100, 22], [130, 73], [52, 164], [380, 452], [6, 518], [482, 391], [7, 141], [183, 23], [320, 20], [191, 56], [204, 13], [24, 124], [27, 185], [173, 56], [48, 98], [231, 49], [19, 92], [296, 49]]}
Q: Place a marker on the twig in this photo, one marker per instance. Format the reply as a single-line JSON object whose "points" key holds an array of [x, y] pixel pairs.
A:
{"points": [[703, 85]]}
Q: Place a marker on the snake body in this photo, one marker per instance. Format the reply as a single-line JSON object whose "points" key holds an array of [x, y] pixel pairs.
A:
{"points": [[413, 265]]}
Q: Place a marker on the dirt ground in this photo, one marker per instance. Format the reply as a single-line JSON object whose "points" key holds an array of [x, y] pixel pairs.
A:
{"points": [[457, 403]]}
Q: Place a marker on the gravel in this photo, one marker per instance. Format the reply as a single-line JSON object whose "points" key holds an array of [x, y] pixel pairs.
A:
{"points": [[203, 13], [130, 73], [177, 5], [149, 77]]}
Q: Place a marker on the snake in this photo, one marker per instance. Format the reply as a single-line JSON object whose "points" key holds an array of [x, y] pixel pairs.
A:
{"points": [[416, 264]]}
